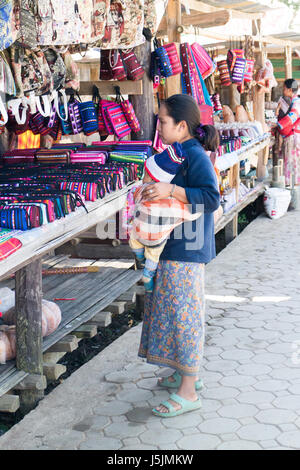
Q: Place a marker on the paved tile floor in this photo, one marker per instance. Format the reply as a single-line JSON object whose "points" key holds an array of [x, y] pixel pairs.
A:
{"points": [[251, 368]]}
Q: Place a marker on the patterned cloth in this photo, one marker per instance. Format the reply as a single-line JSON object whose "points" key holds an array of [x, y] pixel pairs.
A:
{"points": [[173, 326], [289, 126], [291, 154]]}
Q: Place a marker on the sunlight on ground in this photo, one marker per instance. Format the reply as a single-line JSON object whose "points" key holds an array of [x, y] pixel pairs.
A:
{"points": [[225, 298], [270, 299]]}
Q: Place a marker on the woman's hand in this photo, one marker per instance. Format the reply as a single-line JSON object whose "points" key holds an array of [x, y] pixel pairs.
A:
{"points": [[156, 191]]}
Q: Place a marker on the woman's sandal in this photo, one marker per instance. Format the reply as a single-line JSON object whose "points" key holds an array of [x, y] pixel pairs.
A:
{"points": [[186, 406], [177, 381]]}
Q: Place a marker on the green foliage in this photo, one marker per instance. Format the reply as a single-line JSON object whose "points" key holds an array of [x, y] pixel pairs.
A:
{"points": [[294, 4]]}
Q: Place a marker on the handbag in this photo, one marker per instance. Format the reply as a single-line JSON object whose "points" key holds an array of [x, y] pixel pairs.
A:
{"points": [[97, 100], [31, 71], [72, 77], [89, 157], [249, 70], [237, 74], [164, 60], [128, 111], [105, 68], [134, 69], [28, 28], [7, 83], [224, 73], [74, 113], [117, 119], [57, 67], [205, 63], [89, 117], [173, 56], [8, 247], [116, 65], [18, 117]]}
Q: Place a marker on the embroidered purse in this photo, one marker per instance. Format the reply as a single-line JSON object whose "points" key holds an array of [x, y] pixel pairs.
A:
{"points": [[89, 157], [105, 68], [9, 247], [134, 69], [74, 114], [205, 63], [117, 120], [237, 74], [224, 73], [89, 117], [174, 59], [248, 75], [164, 60], [128, 111], [116, 65]]}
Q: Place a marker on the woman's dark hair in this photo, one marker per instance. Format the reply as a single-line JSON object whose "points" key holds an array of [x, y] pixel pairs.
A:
{"points": [[291, 84], [185, 108]]}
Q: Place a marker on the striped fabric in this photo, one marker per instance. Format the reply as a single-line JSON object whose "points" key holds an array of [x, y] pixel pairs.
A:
{"points": [[130, 116], [155, 220], [174, 59], [75, 118], [128, 157], [117, 120], [28, 140], [134, 69], [237, 75], [88, 190], [249, 70], [224, 73], [205, 63], [89, 157], [165, 165], [88, 117]]}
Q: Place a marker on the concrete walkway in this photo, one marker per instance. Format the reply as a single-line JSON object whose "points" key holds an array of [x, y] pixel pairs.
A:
{"points": [[251, 368]]}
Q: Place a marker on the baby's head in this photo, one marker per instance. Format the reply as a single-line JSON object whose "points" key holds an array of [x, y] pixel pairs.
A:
{"points": [[165, 165]]}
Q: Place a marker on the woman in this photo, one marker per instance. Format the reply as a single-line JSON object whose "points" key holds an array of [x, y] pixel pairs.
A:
{"points": [[289, 127], [173, 327]]}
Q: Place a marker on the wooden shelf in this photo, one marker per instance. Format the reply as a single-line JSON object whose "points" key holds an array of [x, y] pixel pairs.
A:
{"points": [[107, 87], [51, 236], [248, 199]]}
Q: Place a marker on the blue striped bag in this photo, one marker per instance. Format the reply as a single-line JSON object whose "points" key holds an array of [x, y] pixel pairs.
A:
{"points": [[89, 117], [163, 60]]}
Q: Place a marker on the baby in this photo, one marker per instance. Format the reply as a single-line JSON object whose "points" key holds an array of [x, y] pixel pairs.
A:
{"points": [[155, 220], [283, 108]]}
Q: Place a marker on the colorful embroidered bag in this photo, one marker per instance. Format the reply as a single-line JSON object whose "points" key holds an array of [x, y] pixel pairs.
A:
{"points": [[74, 114], [205, 63], [117, 120], [224, 73], [128, 111], [105, 68], [237, 74], [174, 59], [89, 117], [116, 65], [164, 60], [248, 75], [134, 69]]}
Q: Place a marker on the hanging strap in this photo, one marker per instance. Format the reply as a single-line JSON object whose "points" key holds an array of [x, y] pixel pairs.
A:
{"points": [[14, 106], [44, 110], [3, 111], [55, 97]]}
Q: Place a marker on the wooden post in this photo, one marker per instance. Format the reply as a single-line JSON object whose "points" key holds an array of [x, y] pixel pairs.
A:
{"points": [[173, 19], [144, 104], [259, 103], [29, 357], [288, 62]]}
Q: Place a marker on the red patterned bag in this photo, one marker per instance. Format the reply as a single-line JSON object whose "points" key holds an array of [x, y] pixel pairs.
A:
{"points": [[171, 50], [117, 120], [116, 65], [134, 69], [128, 111]]}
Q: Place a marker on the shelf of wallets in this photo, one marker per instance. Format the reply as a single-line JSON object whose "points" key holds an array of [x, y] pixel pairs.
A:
{"points": [[236, 160], [48, 196]]}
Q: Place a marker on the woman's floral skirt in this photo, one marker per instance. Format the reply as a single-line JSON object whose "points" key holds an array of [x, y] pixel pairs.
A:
{"points": [[173, 325]]}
